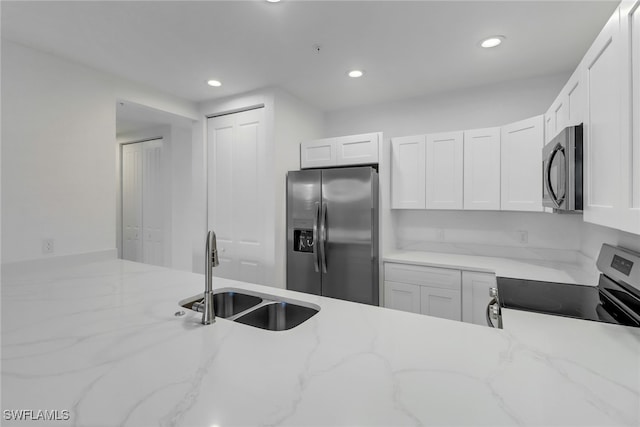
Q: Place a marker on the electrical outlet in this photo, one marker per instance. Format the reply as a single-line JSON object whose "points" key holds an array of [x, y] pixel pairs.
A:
{"points": [[523, 236], [47, 246]]}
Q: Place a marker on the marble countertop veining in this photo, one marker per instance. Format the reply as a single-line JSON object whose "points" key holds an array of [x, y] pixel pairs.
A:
{"points": [[101, 341], [533, 269]]}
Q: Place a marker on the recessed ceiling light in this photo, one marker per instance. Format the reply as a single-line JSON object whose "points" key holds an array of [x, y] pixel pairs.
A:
{"points": [[492, 41], [214, 83], [355, 73], [273, 1]]}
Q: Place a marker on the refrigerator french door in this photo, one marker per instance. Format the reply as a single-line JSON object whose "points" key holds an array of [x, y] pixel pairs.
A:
{"points": [[332, 233]]}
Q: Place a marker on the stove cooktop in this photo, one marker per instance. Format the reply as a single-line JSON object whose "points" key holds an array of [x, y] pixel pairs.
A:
{"points": [[560, 299]]}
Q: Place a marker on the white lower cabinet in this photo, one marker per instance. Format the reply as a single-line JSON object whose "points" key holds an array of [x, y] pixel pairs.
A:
{"points": [[437, 302], [427, 290], [439, 292], [402, 296], [475, 296]]}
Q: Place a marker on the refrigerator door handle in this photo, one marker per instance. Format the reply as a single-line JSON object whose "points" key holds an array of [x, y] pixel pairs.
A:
{"points": [[316, 252], [323, 237]]}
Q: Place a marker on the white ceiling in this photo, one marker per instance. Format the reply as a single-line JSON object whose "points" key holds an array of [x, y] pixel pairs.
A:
{"points": [[407, 48]]}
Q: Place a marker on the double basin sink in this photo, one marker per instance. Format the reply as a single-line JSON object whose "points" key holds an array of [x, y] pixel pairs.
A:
{"points": [[255, 309]]}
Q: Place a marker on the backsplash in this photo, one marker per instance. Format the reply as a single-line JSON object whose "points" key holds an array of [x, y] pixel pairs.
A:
{"points": [[513, 234]]}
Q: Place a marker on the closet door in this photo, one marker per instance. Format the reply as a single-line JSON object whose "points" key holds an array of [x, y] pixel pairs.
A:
{"points": [[132, 202], [152, 202], [143, 197], [236, 150]]}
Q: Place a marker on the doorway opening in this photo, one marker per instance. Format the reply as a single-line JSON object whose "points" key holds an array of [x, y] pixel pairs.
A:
{"points": [[154, 191]]}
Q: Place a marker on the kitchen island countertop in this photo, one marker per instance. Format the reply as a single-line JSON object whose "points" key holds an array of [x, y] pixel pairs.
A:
{"points": [[101, 341]]}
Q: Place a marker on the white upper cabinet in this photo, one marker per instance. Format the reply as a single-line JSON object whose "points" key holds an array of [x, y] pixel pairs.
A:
{"points": [[603, 77], [444, 184], [574, 99], [340, 151], [481, 169], [408, 172], [630, 168], [567, 109], [521, 165], [317, 154]]}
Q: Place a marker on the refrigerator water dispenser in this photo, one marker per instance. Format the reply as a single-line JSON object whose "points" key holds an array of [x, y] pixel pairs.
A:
{"points": [[302, 240]]}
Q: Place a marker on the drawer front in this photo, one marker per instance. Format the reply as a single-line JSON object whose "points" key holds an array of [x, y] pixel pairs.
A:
{"points": [[444, 278]]}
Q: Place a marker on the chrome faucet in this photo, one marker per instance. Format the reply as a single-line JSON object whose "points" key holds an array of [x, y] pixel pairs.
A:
{"points": [[211, 260]]}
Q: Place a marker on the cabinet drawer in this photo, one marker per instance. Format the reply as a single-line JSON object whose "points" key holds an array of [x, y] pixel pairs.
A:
{"points": [[427, 276]]}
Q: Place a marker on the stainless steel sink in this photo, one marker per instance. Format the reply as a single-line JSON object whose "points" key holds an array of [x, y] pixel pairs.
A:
{"points": [[277, 316], [255, 309], [225, 304]]}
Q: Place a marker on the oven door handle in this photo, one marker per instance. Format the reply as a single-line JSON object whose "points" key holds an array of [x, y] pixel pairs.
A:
{"points": [[495, 311]]}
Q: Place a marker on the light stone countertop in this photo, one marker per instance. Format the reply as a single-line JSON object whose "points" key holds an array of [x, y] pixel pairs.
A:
{"points": [[101, 340], [533, 269]]}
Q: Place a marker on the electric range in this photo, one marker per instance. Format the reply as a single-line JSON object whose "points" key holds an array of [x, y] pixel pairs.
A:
{"points": [[616, 298]]}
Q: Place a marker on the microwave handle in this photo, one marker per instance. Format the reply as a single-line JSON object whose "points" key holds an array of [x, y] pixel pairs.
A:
{"points": [[547, 176]]}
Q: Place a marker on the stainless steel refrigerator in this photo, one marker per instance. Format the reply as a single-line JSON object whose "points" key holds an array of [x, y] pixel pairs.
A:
{"points": [[332, 233]]}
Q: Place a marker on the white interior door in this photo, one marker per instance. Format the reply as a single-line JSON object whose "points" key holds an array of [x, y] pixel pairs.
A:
{"points": [[236, 148], [143, 202], [152, 203], [132, 202]]}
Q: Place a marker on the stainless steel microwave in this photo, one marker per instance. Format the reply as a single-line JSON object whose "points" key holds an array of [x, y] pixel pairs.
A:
{"points": [[562, 171]]}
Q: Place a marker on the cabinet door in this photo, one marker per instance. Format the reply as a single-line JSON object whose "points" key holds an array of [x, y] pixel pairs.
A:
{"points": [[549, 125], [317, 154], [402, 296], [408, 172], [521, 165], [560, 114], [630, 28], [356, 149], [574, 99], [602, 137], [475, 296], [444, 184], [438, 302], [481, 169]]}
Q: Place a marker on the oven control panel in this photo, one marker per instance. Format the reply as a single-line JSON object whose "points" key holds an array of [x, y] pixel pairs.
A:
{"points": [[620, 264]]}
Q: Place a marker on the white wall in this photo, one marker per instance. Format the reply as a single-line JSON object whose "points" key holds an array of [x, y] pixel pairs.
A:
{"points": [[58, 131], [181, 199], [295, 122], [486, 106], [593, 236], [58, 175]]}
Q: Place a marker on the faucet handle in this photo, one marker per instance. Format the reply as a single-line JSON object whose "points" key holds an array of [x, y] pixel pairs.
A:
{"points": [[212, 248]]}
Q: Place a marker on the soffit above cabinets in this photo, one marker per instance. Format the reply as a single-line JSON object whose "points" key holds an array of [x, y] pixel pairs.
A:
{"points": [[407, 48]]}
